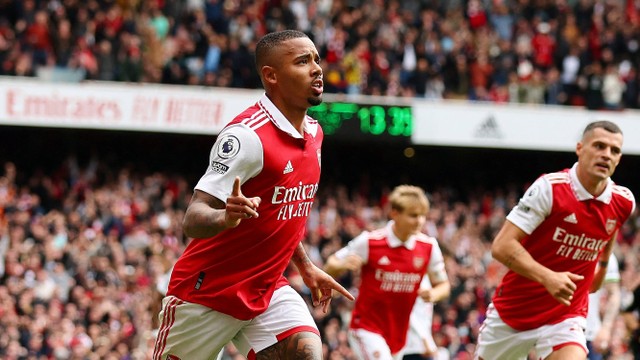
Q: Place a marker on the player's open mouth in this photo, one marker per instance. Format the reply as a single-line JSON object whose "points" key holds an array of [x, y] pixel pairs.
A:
{"points": [[318, 86]]}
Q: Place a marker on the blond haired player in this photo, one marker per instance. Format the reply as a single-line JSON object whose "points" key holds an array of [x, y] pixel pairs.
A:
{"points": [[392, 261]]}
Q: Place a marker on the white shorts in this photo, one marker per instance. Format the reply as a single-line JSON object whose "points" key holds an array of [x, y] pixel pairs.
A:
{"points": [[192, 331], [499, 341], [367, 345]]}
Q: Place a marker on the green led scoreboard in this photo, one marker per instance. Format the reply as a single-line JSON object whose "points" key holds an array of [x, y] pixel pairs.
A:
{"points": [[355, 121]]}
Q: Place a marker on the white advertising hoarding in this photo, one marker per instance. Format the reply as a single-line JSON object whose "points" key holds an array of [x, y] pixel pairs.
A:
{"points": [[524, 127], [114, 106]]}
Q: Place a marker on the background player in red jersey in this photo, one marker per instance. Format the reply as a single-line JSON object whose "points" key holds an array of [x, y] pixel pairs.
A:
{"points": [[228, 285], [551, 242], [393, 261]]}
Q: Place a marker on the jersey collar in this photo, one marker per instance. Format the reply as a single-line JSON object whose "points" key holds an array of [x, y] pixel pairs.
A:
{"points": [[281, 121], [583, 194], [394, 242]]}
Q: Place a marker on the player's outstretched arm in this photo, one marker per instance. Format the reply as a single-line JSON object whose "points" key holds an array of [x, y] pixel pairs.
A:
{"points": [[336, 267], [207, 215], [319, 282], [508, 249], [603, 263]]}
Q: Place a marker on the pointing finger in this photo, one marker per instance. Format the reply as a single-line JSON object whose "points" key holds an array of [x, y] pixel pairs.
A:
{"points": [[236, 187], [343, 291]]}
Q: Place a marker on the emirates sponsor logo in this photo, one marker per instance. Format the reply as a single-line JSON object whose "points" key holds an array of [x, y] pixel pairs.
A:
{"points": [[397, 281], [295, 201], [577, 247]]}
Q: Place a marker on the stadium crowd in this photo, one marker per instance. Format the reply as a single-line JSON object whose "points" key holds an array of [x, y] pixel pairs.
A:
{"points": [[85, 251], [568, 52]]}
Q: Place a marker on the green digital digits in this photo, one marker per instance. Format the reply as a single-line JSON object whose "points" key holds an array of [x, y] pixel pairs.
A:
{"points": [[355, 120]]}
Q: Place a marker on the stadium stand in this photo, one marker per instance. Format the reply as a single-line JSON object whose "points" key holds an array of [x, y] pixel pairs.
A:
{"points": [[569, 52], [87, 237]]}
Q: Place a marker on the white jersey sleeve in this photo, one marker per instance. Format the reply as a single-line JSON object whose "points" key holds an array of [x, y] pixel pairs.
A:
{"points": [[237, 152], [358, 246], [533, 207], [436, 262]]}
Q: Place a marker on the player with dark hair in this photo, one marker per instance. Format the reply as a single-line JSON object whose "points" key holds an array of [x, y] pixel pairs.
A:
{"points": [[228, 285], [556, 243]]}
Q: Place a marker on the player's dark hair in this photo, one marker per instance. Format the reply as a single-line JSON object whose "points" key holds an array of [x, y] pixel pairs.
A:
{"points": [[603, 124], [270, 41]]}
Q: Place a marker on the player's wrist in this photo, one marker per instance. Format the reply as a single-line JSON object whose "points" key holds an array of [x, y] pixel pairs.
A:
{"points": [[603, 263]]}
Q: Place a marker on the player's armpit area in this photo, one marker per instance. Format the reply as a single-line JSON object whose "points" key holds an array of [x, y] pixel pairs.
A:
{"points": [[298, 346]]}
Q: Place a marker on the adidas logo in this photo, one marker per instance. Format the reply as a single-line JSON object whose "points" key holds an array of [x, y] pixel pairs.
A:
{"points": [[489, 129], [288, 168], [571, 219], [384, 261]]}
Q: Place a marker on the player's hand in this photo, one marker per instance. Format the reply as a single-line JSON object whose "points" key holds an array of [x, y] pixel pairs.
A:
{"points": [[601, 342], [425, 294], [562, 285], [322, 285], [353, 262], [239, 207]]}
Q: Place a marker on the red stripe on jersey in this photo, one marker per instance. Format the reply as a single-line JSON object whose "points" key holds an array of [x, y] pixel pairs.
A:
{"points": [[296, 330]]}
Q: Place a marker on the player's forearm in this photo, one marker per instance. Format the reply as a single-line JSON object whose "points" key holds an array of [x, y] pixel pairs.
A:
{"points": [[334, 266], [603, 262], [514, 256], [201, 221], [301, 259], [598, 278], [612, 308], [440, 291]]}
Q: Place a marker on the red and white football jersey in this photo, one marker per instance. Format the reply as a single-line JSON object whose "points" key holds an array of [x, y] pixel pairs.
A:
{"points": [[568, 229], [391, 277], [237, 271]]}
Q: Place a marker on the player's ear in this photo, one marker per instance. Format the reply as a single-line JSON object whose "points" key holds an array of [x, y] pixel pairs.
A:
{"points": [[269, 74], [578, 148]]}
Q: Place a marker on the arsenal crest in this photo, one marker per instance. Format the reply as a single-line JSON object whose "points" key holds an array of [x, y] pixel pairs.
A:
{"points": [[418, 262], [610, 225]]}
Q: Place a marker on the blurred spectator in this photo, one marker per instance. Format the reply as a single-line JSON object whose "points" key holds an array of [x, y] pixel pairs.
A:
{"points": [[472, 45], [612, 88], [85, 246]]}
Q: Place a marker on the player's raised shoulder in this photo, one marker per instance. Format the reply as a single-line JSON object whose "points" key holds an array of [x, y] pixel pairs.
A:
{"points": [[378, 234], [557, 177], [624, 192], [421, 237]]}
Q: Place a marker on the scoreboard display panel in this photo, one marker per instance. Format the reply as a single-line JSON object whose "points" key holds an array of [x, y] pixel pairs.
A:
{"points": [[364, 122]]}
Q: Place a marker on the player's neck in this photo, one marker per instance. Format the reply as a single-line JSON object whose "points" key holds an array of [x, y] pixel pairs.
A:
{"points": [[401, 235], [294, 115], [594, 186]]}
